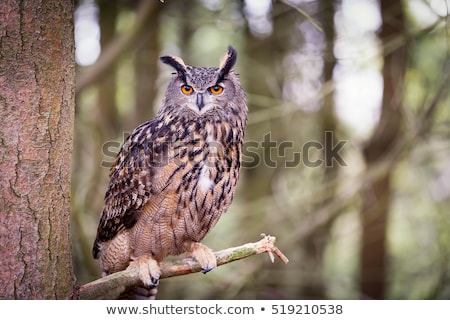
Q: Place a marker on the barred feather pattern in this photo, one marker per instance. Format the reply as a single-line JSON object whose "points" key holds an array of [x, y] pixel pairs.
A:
{"points": [[185, 174], [175, 174]]}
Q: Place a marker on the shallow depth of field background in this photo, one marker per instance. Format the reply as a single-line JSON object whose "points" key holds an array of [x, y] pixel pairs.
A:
{"points": [[315, 73]]}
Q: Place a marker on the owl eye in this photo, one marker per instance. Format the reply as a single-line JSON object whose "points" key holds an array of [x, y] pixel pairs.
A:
{"points": [[186, 89], [216, 89]]}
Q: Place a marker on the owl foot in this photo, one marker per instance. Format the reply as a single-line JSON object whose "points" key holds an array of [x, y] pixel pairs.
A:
{"points": [[203, 255], [149, 271]]}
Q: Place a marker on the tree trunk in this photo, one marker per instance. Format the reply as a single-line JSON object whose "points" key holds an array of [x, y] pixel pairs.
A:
{"points": [[36, 109], [106, 97], [315, 244], [376, 196], [146, 70]]}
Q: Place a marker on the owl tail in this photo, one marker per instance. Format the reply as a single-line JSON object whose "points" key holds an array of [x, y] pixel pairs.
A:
{"points": [[140, 293]]}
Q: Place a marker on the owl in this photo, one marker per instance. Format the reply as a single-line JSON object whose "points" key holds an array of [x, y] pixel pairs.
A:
{"points": [[175, 174]]}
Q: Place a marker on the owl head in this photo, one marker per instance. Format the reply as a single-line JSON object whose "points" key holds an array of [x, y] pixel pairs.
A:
{"points": [[204, 91]]}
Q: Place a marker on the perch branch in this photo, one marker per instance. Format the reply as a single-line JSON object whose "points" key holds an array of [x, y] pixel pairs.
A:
{"points": [[112, 285]]}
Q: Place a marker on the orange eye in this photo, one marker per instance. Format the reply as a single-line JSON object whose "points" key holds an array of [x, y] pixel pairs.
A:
{"points": [[216, 89], [186, 89]]}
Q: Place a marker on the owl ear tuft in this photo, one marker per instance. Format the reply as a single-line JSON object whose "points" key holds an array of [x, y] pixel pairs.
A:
{"points": [[177, 63], [227, 63]]}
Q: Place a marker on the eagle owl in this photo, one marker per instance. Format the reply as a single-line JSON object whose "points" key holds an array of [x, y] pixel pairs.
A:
{"points": [[175, 174]]}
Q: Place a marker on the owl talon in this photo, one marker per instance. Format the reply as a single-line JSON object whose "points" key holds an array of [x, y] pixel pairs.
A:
{"points": [[155, 280], [148, 268], [206, 270], [204, 256]]}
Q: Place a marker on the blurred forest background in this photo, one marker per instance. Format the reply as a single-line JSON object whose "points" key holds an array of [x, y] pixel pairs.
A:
{"points": [[347, 156]]}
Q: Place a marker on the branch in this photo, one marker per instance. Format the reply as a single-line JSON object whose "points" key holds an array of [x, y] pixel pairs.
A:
{"points": [[111, 286], [304, 13]]}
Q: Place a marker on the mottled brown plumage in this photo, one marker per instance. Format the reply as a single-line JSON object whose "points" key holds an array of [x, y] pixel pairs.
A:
{"points": [[175, 174]]}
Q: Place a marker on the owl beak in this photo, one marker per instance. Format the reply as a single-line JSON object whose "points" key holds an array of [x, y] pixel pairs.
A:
{"points": [[200, 104]]}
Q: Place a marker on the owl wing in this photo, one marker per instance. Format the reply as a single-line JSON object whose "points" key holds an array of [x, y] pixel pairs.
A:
{"points": [[131, 180]]}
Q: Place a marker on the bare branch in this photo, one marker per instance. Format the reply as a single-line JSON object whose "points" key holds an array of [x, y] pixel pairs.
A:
{"points": [[304, 13], [110, 287]]}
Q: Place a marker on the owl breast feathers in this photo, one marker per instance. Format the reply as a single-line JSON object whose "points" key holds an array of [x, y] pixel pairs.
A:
{"points": [[175, 174]]}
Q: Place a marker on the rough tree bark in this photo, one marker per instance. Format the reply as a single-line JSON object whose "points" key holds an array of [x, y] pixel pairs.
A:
{"points": [[376, 196], [36, 112]]}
